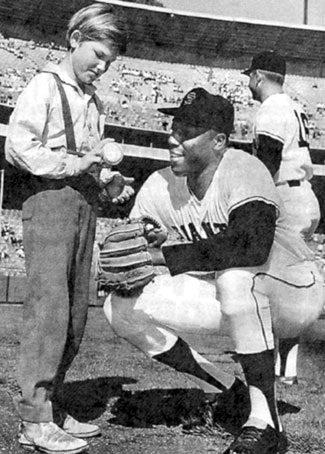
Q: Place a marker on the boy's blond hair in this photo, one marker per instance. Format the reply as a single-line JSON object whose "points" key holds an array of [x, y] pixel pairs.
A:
{"points": [[97, 22]]}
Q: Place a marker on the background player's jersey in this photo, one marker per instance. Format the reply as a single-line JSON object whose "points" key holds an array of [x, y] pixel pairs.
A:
{"points": [[239, 179], [283, 120]]}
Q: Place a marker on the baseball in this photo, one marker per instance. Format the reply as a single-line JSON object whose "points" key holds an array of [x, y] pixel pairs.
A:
{"points": [[112, 152]]}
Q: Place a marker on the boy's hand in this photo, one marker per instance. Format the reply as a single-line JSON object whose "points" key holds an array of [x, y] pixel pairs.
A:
{"points": [[90, 158], [127, 192], [116, 186]]}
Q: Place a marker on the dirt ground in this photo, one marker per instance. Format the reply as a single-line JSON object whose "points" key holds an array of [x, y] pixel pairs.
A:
{"points": [[141, 405]]}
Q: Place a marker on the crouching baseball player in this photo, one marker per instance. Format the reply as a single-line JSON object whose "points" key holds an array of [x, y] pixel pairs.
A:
{"points": [[237, 264]]}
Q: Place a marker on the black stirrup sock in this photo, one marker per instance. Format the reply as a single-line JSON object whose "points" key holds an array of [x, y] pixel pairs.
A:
{"points": [[181, 359]]}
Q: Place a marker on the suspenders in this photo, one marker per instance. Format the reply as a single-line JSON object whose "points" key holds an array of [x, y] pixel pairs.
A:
{"points": [[68, 125]]}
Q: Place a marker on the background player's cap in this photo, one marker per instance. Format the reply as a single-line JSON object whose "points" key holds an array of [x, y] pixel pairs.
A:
{"points": [[267, 61], [202, 109]]}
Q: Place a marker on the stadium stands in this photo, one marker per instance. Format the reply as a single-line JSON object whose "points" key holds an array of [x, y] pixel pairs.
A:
{"points": [[167, 35], [134, 88], [11, 248]]}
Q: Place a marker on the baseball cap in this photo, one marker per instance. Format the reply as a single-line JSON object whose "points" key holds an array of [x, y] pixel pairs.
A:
{"points": [[201, 109], [267, 61]]}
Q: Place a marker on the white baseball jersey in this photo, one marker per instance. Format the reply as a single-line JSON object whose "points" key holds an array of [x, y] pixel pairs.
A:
{"points": [[282, 296], [239, 179], [280, 118]]}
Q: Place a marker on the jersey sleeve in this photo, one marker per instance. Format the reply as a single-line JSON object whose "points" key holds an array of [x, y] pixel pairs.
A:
{"points": [[246, 242], [269, 151], [269, 122], [248, 180]]}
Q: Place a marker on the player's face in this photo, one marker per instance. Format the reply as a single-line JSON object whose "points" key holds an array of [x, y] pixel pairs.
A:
{"points": [[253, 85], [190, 149], [90, 59]]}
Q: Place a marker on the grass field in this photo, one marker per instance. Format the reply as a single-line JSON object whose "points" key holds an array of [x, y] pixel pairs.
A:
{"points": [[140, 405]]}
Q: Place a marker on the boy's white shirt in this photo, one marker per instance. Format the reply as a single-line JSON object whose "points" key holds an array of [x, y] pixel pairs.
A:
{"points": [[36, 140]]}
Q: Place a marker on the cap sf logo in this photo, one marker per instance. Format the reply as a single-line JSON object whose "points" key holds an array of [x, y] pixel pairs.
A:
{"points": [[190, 98]]}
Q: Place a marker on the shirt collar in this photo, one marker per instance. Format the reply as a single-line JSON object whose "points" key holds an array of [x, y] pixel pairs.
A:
{"points": [[53, 68], [269, 99]]}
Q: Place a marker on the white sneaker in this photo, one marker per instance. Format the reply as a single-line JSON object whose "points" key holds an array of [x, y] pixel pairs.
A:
{"points": [[49, 438], [79, 429]]}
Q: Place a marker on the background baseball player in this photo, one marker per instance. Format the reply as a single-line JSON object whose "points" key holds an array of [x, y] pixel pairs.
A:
{"points": [[238, 263], [281, 142]]}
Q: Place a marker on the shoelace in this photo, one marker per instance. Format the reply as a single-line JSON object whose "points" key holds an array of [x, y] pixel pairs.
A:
{"points": [[251, 439], [58, 435], [250, 434]]}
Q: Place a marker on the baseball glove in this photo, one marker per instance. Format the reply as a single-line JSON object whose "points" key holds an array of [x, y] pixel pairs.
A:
{"points": [[124, 263]]}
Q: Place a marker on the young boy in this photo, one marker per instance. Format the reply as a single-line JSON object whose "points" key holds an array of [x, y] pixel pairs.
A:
{"points": [[59, 218]]}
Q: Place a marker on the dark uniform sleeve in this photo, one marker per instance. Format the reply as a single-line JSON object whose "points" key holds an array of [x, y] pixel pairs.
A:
{"points": [[246, 242], [269, 151]]}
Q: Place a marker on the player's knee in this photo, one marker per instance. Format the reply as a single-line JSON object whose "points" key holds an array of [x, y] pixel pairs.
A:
{"points": [[234, 309], [230, 291], [116, 314], [295, 314], [121, 315]]}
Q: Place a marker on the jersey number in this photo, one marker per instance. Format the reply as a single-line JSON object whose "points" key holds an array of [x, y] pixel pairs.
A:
{"points": [[303, 129]]}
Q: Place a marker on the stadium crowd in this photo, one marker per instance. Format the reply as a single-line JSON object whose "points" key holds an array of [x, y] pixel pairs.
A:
{"points": [[12, 258], [134, 88]]}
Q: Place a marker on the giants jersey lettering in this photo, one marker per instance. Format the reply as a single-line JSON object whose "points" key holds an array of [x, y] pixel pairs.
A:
{"points": [[283, 120], [168, 198], [239, 179]]}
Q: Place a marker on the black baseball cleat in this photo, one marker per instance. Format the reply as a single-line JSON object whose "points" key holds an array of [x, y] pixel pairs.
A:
{"points": [[233, 405], [252, 440], [231, 408]]}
